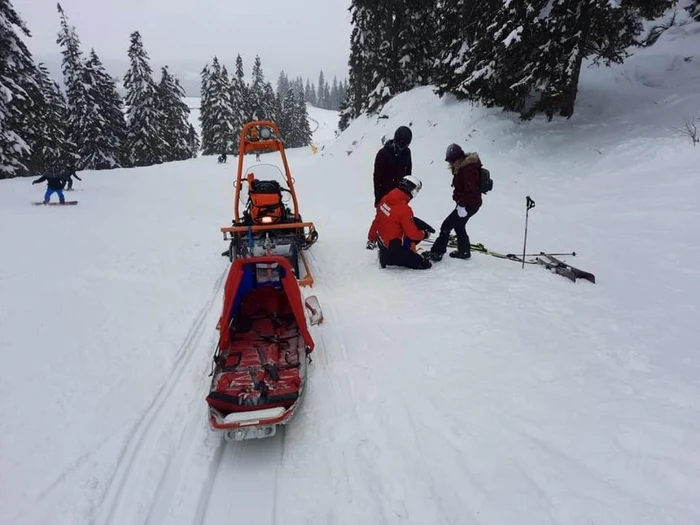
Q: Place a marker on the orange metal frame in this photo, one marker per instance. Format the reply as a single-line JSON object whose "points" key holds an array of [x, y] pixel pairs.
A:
{"points": [[249, 145]]}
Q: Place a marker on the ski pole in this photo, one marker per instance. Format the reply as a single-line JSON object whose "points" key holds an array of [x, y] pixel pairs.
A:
{"points": [[529, 204]]}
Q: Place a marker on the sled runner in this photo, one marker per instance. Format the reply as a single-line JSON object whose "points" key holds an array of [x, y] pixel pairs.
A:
{"points": [[267, 225], [260, 363]]}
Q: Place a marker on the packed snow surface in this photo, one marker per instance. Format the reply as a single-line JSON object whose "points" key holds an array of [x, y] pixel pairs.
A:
{"points": [[475, 392]]}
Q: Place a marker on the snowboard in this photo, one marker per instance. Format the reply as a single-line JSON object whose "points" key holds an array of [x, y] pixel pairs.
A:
{"points": [[67, 203]]}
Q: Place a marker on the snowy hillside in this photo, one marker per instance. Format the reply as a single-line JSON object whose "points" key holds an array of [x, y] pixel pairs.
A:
{"points": [[475, 392]]}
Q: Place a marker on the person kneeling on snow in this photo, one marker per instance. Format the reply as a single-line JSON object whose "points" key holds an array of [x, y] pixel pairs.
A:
{"points": [[466, 169], [54, 184], [394, 229]]}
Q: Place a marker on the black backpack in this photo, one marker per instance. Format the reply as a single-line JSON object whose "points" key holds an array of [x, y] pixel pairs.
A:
{"points": [[485, 182]]}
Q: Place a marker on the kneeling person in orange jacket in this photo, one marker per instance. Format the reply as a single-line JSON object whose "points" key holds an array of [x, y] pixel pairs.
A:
{"points": [[395, 230]]}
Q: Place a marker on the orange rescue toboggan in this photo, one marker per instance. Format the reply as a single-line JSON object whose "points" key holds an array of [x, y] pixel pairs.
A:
{"points": [[267, 226], [260, 364]]}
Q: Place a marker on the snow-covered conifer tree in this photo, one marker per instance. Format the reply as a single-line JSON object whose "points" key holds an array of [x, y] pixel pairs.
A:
{"points": [[17, 76], [176, 113], [144, 140]]}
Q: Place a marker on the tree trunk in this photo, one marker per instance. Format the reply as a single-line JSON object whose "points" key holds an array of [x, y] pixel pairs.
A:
{"points": [[568, 99]]}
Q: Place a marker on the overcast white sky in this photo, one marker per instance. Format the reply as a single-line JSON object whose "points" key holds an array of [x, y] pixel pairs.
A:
{"points": [[300, 36]]}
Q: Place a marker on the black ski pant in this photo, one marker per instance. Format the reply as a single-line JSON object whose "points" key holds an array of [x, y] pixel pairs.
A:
{"points": [[396, 254], [459, 225]]}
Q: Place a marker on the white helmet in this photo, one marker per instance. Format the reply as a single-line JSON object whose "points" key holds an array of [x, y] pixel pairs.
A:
{"points": [[411, 185]]}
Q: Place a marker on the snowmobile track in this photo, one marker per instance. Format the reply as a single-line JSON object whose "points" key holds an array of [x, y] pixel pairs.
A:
{"points": [[147, 432]]}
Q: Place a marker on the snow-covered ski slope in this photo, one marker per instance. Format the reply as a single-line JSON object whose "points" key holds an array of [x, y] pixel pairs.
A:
{"points": [[472, 393]]}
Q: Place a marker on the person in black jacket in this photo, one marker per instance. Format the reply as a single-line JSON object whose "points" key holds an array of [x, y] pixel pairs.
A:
{"points": [[68, 176], [391, 164], [55, 182]]}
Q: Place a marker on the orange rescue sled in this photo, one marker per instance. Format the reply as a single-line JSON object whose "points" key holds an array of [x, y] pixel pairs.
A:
{"points": [[267, 226]]}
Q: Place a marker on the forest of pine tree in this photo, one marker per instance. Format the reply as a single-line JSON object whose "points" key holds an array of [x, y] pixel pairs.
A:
{"points": [[88, 126], [520, 55], [523, 56], [228, 102]]}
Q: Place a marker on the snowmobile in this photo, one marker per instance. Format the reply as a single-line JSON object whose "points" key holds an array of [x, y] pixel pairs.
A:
{"points": [[267, 225], [260, 363]]}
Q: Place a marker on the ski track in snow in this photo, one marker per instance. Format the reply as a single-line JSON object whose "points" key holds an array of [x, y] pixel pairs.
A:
{"points": [[146, 436]]}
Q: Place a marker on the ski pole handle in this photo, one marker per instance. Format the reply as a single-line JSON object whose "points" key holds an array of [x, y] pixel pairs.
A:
{"points": [[529, 203]]}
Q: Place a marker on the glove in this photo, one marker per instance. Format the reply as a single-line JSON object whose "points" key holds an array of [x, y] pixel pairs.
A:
{"points": [[461, 211], [371, 245], [426, 235]]}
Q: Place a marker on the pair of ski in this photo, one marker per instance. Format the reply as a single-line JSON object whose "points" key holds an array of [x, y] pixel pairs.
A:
{"points": [[548, 260]]}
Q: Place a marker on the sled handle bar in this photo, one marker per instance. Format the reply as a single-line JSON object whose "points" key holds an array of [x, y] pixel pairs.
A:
{"points": [[265, 227]]}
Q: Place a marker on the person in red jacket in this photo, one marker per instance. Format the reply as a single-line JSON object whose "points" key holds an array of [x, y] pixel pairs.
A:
{"points": [[394, 229], [466, 170]]}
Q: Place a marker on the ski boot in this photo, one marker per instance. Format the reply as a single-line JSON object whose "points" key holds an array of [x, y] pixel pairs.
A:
{"points": [[460, 255]]}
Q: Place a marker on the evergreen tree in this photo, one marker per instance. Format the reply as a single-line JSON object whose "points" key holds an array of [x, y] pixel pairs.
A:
{"points": [[176, 128], [345, 111], [217, 128], [205, 106], [269, 103], [302, 121], [300, 131], [102, 128], [383, 63], [80, 103], [111, 108], [464, 30], [577, 30], [503, 44], [283, 84], [309, 93], [144, 137], [17, 81], [321, 97], [51, 146], [526, 56], [255, 92], [193, 141], [333, 95], [239, 103], [418, 46], [694, 9], [285, 122]]}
